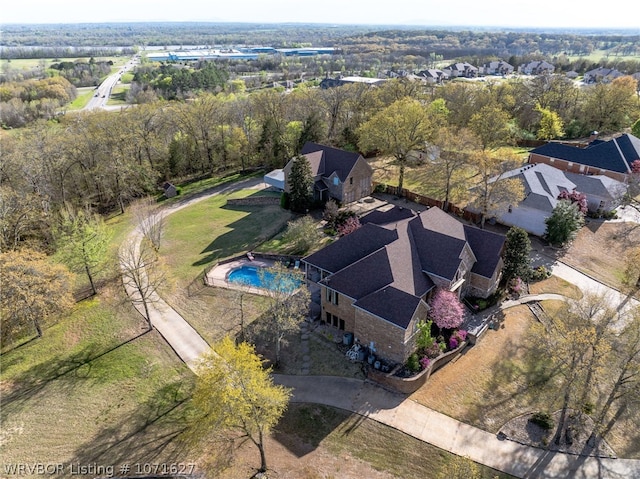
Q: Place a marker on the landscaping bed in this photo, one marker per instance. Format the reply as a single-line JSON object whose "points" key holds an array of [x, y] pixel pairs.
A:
{"points": [[525, 430]]}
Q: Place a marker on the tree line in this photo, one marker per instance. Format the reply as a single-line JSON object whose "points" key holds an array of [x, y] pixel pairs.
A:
{"points": [[104, 160]]}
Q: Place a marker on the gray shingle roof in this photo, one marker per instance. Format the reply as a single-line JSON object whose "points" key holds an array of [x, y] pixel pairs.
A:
{"points": [[487, 247], [391, 304], [386, 264], [363, 277], [334, 159], [351, 248]]}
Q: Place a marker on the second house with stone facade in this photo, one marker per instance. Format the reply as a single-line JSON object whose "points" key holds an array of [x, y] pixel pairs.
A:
{"points": [[376, 282], [339, 174]]}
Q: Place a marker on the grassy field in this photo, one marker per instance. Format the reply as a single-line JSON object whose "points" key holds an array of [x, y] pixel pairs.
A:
{"points": [[29, 63], [84, 95], [197, 237], [118, 95], [602, 55], [96, 388], [555, 285]]}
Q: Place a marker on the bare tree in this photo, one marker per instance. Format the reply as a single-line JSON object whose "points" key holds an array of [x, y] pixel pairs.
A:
{"points": [[150, 220], [141, 274], [626, 383], [288, 304]]}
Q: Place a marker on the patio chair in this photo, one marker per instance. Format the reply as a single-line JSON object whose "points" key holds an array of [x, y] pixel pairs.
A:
{"points": [[297, 264], [250, 256]]}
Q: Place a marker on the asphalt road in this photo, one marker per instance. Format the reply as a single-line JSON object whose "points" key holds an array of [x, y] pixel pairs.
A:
{"points": [[104, 90]]}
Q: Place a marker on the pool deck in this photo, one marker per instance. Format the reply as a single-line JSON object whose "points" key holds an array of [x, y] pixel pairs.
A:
{"points": [[219, 274]]}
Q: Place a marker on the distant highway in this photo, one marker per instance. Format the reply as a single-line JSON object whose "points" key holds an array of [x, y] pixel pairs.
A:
{"points": [[104, 90]]}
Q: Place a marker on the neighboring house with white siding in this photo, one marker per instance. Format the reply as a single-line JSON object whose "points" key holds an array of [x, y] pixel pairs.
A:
{"points": [[543, 184]]}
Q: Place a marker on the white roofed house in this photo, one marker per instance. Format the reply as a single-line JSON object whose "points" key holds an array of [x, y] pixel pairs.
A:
{"points": [[498, 67], [543, 184], [536, 68], [461, 69]]}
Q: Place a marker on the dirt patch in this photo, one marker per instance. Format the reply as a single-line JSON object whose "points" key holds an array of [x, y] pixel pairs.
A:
{"points": [[599, 250], [285, 463]]}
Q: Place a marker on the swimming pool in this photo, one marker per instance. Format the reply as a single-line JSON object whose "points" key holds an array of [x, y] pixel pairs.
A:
{"points": [[254, 277]]}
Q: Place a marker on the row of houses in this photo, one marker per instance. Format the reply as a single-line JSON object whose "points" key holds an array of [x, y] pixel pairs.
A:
{"points": [[466, 70]]}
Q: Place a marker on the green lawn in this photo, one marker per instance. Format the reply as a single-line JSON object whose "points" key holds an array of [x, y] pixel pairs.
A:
{"points": [[202, 234], [118, 95], [127, 77], [600, 55], [84, 95], [210, 230], [94, 388]]}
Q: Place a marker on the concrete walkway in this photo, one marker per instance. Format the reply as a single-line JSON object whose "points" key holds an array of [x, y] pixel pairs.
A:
{"points": [[395, 410], [185, 341]]}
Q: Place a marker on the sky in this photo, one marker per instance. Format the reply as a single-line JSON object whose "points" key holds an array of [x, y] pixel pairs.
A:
{"points": [[490, 13]]}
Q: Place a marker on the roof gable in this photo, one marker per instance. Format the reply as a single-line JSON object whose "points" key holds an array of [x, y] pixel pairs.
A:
{"points": [[487, 247], [391, 304], [315, 162], [351, 248], [363, 277], [335, 160]]}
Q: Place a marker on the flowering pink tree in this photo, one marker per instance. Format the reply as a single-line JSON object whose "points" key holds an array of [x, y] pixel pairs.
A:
{"points": [[351, 224], [446, 310], [575, 197]]}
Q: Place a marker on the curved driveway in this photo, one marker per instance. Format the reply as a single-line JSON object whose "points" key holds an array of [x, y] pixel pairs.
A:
{"points": [[394, 410]]}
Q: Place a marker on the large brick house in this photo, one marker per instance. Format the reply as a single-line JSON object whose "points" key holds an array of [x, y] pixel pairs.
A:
{"points": [[612, 158], [376, 281], [342, 175]]}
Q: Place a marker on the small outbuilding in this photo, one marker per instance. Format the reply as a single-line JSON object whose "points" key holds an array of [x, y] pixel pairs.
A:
{"points": [[169, 190], [275, 179]]}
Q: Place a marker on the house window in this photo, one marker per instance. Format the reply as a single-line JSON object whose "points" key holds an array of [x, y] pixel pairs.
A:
{"points": [[332, 296], [341, 325], [510, 209], [351, 180], [328, 318]]}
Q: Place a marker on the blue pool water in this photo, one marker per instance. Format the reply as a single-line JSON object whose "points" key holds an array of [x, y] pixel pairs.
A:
{"points": [[252, 276]]}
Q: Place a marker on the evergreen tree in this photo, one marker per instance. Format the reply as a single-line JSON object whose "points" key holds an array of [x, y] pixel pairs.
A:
{"points": [[300, 184], [311, 131], [517, 263], [564, 222]]}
